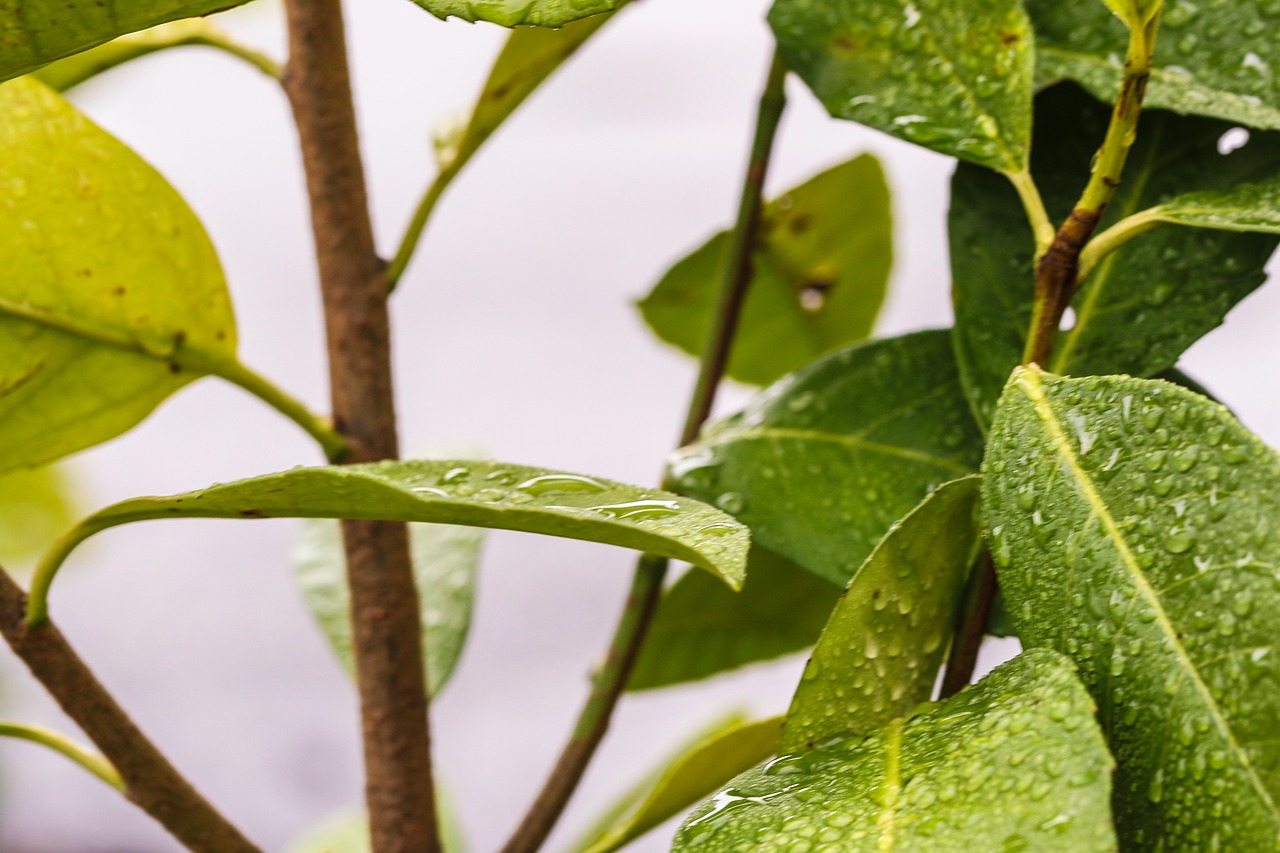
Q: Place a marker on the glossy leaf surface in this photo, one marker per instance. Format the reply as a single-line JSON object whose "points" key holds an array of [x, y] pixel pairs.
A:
{"points": [[879, 655], [1015, 762], [703, 628], [518, 13], [1247, 207], [476, 494], [35, 506], [1215, 57], [33, 32], [820, 464], [112, 297], [1133, 525], [444, 564], [953, 77], [821, 268], [708, 765], [1145, 303]]}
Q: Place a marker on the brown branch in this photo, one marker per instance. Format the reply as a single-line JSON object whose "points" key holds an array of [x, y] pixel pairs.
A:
{"points": [[1057, 277], [384, 600], [971, 629], [151, 782]]}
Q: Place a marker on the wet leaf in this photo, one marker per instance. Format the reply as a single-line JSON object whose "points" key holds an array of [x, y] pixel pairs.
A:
{"points": [[445, 558], [821, 271], [953, 77], [703, 628], [1133, 523], [1015, 762], [820, 464], [694, 774], [519, 13], [1215, 58], [112, 297], [1252, 206], [475, 494], [35, 506], [33, 32], [1144, 304], [879, 655]]}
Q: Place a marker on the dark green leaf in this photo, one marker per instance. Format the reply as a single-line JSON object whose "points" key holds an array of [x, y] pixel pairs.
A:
{"points": [[953, 77], [820, 273], [444, 564], [1214, 57], [879, 655], [1145, 303], [703, 628], [35, 506], [33, 32], [822, 463], [112, 297], [1133, 525], [696, 773], [1015, 762], [519, 13]]}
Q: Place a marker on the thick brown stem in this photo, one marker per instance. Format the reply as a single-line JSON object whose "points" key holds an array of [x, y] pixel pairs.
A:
{"points": [[384, 600], [150, 780], [1057, 277]]}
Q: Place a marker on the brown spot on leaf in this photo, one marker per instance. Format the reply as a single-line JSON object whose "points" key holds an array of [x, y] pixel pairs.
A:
{"points": [[1008, 38]]}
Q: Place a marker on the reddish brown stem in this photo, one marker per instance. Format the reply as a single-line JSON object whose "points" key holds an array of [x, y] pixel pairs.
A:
{"points": [[384, 599], [971, 629]]}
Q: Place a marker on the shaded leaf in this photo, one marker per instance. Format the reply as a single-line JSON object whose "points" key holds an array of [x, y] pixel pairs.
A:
{"points": [[112, 296], [33, 32], [879, 655], [822, 463], [476, 494], [1145, 303], [35, 506], [703, 628], [1246, 207], [349, 833], [445, 558], [1215, 57], [1015, 762], [953, 77], [518, 13], [1133, 524], [821, 268], [696, 773]]}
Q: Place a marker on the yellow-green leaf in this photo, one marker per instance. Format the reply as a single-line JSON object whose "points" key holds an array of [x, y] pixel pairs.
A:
{"points": [[520, 13], [35, 506]]}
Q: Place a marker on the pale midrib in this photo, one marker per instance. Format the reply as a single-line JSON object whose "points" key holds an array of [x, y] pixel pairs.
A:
{"points": [[1030, 384], [892, 786], [845, 440]]}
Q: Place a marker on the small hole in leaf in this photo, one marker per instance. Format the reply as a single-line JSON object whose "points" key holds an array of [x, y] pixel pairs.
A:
{"points": [[1068, 320], [813, 296], [1233, 140]]}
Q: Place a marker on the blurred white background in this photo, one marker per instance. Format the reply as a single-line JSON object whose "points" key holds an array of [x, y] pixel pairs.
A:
{"points": [[514, 332]]}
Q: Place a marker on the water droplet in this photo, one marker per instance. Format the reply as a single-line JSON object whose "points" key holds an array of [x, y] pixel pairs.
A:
{"points": [[550, 484]]}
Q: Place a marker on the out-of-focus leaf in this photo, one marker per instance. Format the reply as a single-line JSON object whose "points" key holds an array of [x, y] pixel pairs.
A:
{"points": [[520, 13], [444, 564], [820, 464], [821, 268], [703, 628], [1133, 526], [35, 506], [112, 297], [1145, 303], [879, 655], [1215, 57], [1015, 762], [953, 77]]}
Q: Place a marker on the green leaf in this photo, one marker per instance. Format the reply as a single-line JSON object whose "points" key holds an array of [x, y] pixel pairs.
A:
{"points": [[695, 774], [1246, 207], [1135, 13], [1015, 762], [822, 463], [33, 32], [1133, 525], [703, 628], [349, 832], [1145, 303], [821, 268], [879, 655], [1215, 57], [475, 494], [112, 296], [444, 564], [953, 77], [520, 13], [35, 506]]}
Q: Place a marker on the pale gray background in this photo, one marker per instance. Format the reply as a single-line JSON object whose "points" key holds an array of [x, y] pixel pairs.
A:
{"points": [[514, 332]]}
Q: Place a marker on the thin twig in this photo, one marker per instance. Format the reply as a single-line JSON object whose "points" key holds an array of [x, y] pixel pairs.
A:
{"points": [[399, 790], [66, 747], [149, 780], [971, 629], [646, 585]]}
